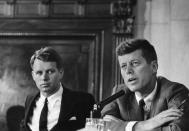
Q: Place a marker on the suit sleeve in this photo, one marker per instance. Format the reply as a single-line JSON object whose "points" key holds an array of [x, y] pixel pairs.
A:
{"points": [[111, 108], [176, 96]]}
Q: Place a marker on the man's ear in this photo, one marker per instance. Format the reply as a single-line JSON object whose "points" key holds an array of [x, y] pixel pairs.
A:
{"points": [[154, 65], [32, 73], [61, 72]]}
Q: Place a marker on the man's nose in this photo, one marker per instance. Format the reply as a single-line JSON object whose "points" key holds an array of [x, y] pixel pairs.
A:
{"points": [[129, 70], [45, 76]]}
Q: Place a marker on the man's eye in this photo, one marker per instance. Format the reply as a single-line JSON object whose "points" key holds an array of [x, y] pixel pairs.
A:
{"points": [[38, 73], [135, 63], [124, 67], [50, 71]]}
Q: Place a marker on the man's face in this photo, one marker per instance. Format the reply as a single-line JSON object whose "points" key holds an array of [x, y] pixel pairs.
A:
{"points": [[46, 76], [136, 72]]}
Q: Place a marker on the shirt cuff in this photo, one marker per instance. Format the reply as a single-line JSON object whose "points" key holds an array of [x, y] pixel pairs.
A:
{"points": [[130, 125]]}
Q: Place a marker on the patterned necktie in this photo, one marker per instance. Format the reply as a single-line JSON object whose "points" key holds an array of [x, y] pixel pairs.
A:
{"points": [[141, 106], [43, 117]]}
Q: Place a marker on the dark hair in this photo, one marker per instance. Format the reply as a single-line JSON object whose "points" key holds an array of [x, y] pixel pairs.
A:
{"points": [[47, 54], [131, 45]]}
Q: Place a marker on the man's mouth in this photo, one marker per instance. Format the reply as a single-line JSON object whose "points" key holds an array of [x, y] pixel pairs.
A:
{"points": [[44, 85], [131, 79]]}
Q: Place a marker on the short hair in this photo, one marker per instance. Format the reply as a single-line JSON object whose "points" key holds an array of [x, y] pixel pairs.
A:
{"points": [[47, 54], [128, 46]]}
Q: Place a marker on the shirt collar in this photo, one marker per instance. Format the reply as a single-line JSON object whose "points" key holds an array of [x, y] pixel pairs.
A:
{"points": [[54, 97], [148, 98]]}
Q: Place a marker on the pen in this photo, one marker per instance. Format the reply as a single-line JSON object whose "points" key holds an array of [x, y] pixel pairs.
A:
{"points": [[182, 103]]}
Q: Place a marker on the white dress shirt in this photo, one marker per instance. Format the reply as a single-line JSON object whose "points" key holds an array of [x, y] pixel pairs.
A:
{"points": [[54, 105]]}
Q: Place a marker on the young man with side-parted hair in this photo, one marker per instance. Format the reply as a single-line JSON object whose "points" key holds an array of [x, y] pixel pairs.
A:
{"points": [[151, 102], [54, 107]]}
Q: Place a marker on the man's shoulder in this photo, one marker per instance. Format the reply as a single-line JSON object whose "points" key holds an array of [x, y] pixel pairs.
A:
{"points": [[30, 98], [79, 95], [32, 95], [169, 87], [168, 84], [84, 95]]}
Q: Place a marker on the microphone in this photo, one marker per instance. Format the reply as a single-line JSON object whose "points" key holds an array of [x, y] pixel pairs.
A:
{"points": [[95, 113], [111, 98]]}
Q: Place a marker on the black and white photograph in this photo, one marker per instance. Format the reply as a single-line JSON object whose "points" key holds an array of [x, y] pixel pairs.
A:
{"points": [[94, 65]]}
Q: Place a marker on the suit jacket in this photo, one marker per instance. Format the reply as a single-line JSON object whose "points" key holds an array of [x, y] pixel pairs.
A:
{"points": [[169, 94], [73, 104]]}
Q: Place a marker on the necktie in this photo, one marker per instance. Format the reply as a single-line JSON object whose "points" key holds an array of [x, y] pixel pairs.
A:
{"points": [[43, 117], [141, 106]]}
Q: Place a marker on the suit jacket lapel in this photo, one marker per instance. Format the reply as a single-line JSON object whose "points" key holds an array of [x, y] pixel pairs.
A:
{"points": [[158, 103], [66, 107], [30, 107], [155, 100]]}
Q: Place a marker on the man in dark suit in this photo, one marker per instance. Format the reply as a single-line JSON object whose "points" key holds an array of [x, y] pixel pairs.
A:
{"points": [[150, 103], [54, 107]]}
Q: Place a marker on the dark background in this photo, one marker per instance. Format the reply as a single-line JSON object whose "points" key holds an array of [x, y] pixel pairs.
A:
{"points": [[81, 31]]}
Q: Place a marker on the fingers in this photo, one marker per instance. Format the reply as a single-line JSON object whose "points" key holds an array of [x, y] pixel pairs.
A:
{"points": [[165, 116], [172, 112], [170, 118], [170, 115]]}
